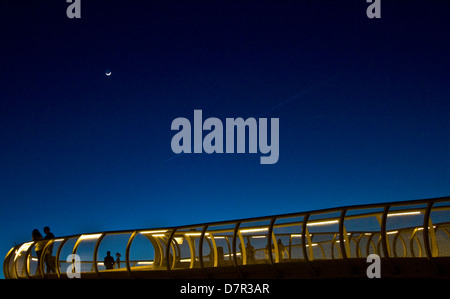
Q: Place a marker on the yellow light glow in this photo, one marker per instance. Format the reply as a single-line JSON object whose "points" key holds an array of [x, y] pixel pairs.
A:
{"points": [[145, 263], [254, 230], [229, 255], [179, 240], [403, 214], [89, 237], [392, 232], [23, 247], [421, 228], [322, 223], [198, 234]]}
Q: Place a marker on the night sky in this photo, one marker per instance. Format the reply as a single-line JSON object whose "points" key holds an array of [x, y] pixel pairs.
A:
{"points": [[363, 107]]}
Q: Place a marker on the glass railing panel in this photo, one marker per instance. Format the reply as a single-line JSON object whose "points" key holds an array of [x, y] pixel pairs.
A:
{"points": [[147, 250], [185, 248], [440, 225], [404, 224], [218, 246], [322, 236], [252, 243], [85, 250], [34, 260], [65, 251], [116, 244], [49, 256], [287, 233], [21, 257], [363, 229], [8, 264]]}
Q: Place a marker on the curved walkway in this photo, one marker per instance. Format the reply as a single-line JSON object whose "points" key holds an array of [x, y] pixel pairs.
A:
{"points": [[411, 238]]}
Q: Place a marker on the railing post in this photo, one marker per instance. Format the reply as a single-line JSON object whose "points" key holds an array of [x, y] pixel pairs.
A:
{"points": [[94, 259], [343, 243], [305, 254], [77, 242], [269, 246], [426, 240], [15, 264], [200, 250], [44, 253], [235, 233], [384, 238], [27, 254], [384, 241], [168, 245], [127, 253], [6, 262], [57, 256]]}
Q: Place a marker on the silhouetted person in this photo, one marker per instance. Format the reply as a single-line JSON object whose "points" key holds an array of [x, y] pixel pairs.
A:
{"points": [[36, 236], [118, 260], [49, 261], [220, 256], [250, 253], [281, 249], [108, 261]]}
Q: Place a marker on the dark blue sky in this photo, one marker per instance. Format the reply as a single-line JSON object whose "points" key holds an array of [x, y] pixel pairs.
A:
{"points": [[363, 106]]}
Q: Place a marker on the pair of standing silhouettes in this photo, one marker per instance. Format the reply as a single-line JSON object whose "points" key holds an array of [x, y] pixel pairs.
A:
{"points": [[39, 247]]}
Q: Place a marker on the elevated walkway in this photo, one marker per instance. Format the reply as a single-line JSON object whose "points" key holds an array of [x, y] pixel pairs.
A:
{"points": [[412, 239]]}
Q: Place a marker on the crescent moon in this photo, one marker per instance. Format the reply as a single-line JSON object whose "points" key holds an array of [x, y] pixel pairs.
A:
{"points": [[108, 74]]}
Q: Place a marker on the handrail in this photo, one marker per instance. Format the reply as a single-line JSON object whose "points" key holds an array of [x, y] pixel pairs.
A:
{"points": [[198, 246]]}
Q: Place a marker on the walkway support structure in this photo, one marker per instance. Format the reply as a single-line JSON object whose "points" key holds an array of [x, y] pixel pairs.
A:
{"points": [[411, 237]]}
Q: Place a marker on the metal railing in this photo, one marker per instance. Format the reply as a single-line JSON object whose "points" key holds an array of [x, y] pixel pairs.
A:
{"points": [[409, 229]]}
